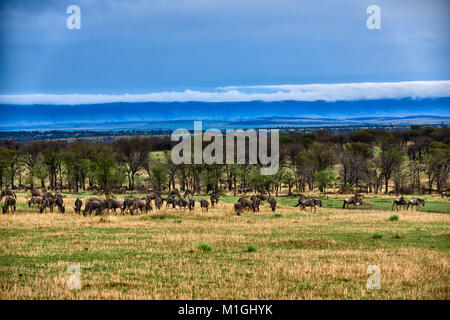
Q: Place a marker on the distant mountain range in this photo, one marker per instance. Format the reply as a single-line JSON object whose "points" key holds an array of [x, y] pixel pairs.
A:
{"points": [[255, 114]]}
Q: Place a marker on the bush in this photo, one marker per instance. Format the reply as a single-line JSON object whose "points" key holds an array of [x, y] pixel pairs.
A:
{"points": [[205, 247], [278, 215], [393, 217], [177, 220], [251, 248], [377, 235]]}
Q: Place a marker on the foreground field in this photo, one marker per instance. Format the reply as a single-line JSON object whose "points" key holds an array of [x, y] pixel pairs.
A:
{"points": [[180, 255]]}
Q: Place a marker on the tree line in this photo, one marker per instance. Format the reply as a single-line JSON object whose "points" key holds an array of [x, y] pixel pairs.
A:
{"points": [[416, 160]]}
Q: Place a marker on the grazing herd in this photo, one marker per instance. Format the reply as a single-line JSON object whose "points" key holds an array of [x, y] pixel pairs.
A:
{"points": [[253, 203], [401, 202], [45, 200]]}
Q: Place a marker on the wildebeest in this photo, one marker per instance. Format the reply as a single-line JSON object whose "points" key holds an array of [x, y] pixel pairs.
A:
{"points": [[256, 201], [78, 205], [246, 203], [158, 203], [170, 200], [127, 204], [309, 202], [352, 200], [263, 196], [238, 207], [182, 203], [416, 202], [191, 205], [175, 192], [273, 203], [48, 201], [445, 194], [214, 199], [93, 204], [188, 193], [141, 205], [359, 195], [393, 192], [153, 196], [112, 204], [9, 202], [59, 202], [7, 192], [399, 202], [204, 204], [34, 200]]}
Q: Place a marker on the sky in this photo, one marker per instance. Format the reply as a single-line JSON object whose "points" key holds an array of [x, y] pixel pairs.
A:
{"points": [[222, 50]]}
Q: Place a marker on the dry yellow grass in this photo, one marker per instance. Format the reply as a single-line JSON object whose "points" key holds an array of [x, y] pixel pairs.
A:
{"points": [[298, 255]]}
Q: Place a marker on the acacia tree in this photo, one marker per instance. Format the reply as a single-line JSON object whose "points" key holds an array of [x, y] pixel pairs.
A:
{"points": [[438, 165], [133, 153], [106, 172], [389, 160]]}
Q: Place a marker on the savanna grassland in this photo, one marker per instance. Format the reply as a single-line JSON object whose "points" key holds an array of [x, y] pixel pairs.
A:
{"points": [[170, 254]]}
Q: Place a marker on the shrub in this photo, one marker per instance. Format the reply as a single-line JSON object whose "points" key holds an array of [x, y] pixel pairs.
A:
{"points": [[393, 217], [251, 248], [177, 220], [205, 247], [376, 235], [278, 215]]}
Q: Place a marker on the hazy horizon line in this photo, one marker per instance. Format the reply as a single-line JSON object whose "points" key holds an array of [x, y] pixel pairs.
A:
{"points": [[267, 93]]}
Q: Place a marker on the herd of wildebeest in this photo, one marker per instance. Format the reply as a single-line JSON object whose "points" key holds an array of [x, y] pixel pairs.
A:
{"points": [[46, 200]]}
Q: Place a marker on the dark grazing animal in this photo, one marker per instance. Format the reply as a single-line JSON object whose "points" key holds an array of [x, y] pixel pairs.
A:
{"points": [[263, 197], [191, 205], [352, 200], [273, 203], [175, 192], [48, 201], [238, 207], [182, 203], [34, 200], [188, 193], [59, 202], [141, 205], [204, 204], [445, 194], [153, 196], [9, 202], [158, 203], [112, 204], [393, 192], [127, 205], [93, 204], [399, 202], [7, 192], [309, 202], [37, 193], [78, 205], [171, 200], [214, 200], [246, 203], [256, 201], [416, 202]]}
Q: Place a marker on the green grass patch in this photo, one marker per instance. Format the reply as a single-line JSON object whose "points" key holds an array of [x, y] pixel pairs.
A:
{"points": [[205, 247], [394, 217]]}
